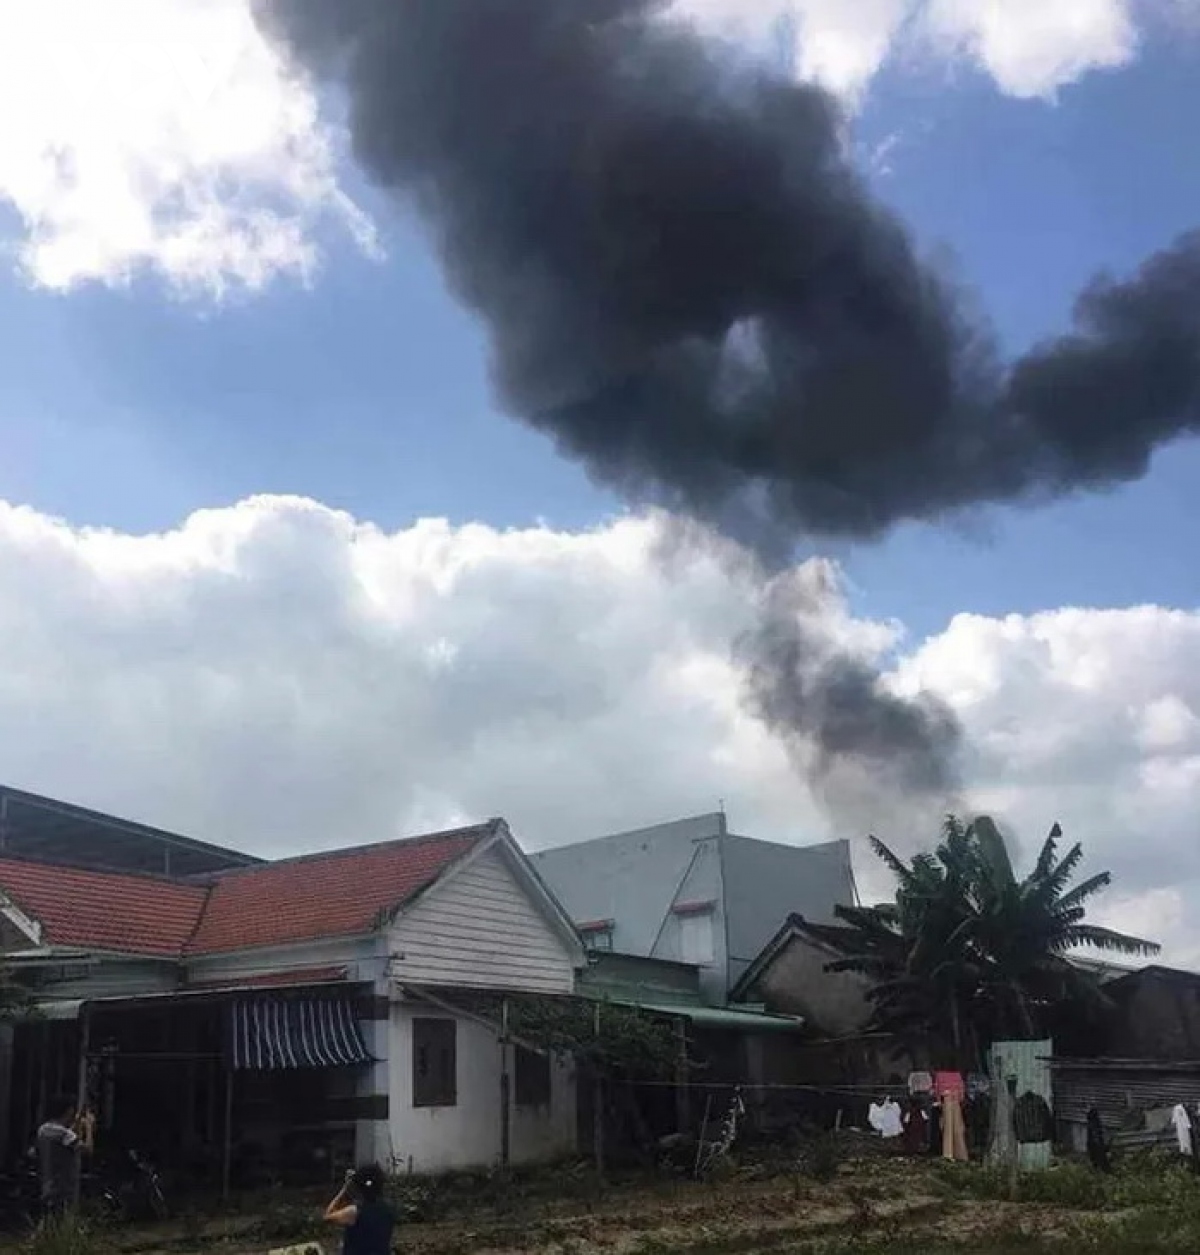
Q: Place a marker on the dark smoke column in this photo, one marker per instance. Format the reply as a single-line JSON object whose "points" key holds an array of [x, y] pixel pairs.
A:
{"points": [[690, 290], [687, 286]]}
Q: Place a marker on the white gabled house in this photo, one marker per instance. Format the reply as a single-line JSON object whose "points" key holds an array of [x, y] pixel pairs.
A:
{"points": [[296, 1013], [488, 923]]}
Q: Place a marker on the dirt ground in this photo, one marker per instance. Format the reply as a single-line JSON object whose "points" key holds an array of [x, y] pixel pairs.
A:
{"points": [[875, 1207]]}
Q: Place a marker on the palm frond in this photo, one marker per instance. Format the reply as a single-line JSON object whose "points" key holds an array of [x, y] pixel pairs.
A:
{"points": [[993, 851], [896, 865], [1113, 942], [1077, 896], [1045, 860]]}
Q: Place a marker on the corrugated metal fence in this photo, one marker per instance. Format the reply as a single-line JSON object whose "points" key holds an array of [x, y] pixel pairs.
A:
{"points": [[1123, 1093]]}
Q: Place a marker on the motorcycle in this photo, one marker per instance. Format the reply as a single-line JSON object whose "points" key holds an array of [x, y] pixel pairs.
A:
{"points": [[122, 1187], [128, 1187]]}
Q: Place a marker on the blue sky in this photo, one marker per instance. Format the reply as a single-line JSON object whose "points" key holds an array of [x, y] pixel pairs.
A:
{"points": [[368, 390], [273, 676]]}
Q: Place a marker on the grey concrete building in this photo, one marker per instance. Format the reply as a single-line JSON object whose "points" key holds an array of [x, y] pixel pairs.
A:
{"points": [[691, 891]]}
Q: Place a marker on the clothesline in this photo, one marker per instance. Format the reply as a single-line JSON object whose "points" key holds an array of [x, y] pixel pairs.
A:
{"points": [[863, 1091]]}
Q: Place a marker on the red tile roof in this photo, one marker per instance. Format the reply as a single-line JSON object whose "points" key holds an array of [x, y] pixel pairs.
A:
{"points": [[342, 893], [105, 911]]}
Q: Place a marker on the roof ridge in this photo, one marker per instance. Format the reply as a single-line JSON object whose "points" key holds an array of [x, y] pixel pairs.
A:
{"points": [[487, 827], [185, 948]]}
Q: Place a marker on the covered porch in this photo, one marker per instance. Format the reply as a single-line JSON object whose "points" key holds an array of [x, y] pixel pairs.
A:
{"points": [[222, 1089]]}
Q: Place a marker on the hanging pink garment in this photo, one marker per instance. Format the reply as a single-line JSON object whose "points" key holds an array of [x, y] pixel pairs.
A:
{"points": [[949, 1085]]}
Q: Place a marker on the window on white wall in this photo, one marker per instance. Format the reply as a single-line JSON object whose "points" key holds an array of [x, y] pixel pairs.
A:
{"points": [[597, 935], [696, 937], [435, 1062]]}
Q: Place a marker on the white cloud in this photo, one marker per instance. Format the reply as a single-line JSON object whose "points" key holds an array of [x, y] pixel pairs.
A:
{"points": [[1029, 48], [160, 135], [840, 45], [279, 675], [1032, 48], [1085, 716]]}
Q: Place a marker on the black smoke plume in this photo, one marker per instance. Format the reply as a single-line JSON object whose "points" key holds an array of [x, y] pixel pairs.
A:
{"points": [[691, 290], [832, 707]]}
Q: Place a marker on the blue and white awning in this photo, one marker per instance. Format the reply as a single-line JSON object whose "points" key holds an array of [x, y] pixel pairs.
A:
{"points": [[275, 1033]]}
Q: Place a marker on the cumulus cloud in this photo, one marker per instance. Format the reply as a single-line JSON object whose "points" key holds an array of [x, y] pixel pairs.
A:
{"points": [[1029, 48], [842, 46], [1091, 717], [1034, 49], [281, 676], [160, 135]]}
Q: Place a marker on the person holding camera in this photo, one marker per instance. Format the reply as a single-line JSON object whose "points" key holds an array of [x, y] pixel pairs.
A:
{"points": [[61, 1142], [360, 1211]]}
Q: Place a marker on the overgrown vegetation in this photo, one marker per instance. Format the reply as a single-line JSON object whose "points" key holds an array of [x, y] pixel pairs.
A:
{"points": [[969, 952], [602, 1037], [834, 1195]]}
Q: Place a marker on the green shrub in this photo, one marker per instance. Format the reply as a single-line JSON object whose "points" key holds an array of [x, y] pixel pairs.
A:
{"points": [[821, 1158]]}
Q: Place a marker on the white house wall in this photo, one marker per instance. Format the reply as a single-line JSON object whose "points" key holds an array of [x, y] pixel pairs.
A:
{"points": [[469, 1134], [481, 929]]}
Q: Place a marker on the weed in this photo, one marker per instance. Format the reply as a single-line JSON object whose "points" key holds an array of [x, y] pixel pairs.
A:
{"points": [[821, 1158], [66, 1235]]}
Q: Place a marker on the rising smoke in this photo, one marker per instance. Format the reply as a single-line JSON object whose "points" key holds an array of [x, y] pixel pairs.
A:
{"points": [[691, 290]]}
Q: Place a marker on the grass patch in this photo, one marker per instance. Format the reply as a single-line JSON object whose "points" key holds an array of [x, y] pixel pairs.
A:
{"points": [[66, 1235]]}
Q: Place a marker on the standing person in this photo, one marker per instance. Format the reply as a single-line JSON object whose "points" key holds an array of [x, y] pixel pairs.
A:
{"points": [[61, 1141], [1097, 1144], [360, 1211]]}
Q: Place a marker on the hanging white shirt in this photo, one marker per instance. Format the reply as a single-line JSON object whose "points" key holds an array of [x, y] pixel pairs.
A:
{"points": [[1183, 1128], [885, 1119]]}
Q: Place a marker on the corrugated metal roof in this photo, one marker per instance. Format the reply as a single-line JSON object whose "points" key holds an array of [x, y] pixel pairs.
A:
{"points": [[1125, 1065], [723, 1017]]}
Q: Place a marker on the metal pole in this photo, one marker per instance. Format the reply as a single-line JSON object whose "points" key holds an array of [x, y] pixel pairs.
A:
{"points": [[227, 1158], [703, 1135], [1014, 1154], [683, 1114], [597, 1100], [81, 1101], [505, 1088]]}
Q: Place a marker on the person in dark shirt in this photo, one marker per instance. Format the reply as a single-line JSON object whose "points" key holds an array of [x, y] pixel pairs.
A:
{"points": [[61, 1141], [1097, 1143], [359, 1210]]}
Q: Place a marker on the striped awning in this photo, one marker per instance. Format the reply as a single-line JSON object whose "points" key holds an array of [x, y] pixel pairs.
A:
{"points": [[275, 1033]]}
